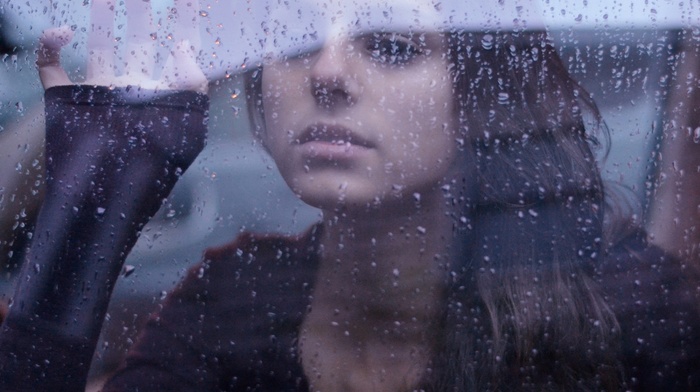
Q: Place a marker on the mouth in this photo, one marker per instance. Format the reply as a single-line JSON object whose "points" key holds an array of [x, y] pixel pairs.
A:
{"points": [[332, 134]]}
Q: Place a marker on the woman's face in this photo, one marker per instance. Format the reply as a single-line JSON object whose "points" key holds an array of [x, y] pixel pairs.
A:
{"points": [[364, 120]]}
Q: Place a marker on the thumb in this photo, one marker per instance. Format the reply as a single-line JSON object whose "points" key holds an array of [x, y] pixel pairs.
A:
{"points": [[49, 56]]}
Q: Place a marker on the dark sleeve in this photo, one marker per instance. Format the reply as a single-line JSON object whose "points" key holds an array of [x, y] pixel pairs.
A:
{"points": [[112, 156], [173, 352], [656, 298], [231, 325]]}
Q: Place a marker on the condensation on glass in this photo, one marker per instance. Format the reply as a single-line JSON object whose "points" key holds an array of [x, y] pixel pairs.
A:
{"points": [[638, 62]]}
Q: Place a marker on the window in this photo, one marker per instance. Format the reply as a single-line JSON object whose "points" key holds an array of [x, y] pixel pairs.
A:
{"points": [[387, 83]]}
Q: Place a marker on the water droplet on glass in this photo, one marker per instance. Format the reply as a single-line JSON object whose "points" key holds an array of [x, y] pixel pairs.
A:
{"points": [[236, 110], [128, 270], [487, 41], [696, 135]]}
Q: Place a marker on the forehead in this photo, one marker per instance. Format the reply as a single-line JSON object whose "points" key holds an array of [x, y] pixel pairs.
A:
{"points": [[359, 14], [300, 25], [237, 34]]}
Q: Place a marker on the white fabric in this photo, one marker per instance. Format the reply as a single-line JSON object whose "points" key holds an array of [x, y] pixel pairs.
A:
{"points": [[274, 28], [238, 32]]}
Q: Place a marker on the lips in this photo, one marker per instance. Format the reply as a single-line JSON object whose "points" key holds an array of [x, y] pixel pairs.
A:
{"points": [[332, 134]]}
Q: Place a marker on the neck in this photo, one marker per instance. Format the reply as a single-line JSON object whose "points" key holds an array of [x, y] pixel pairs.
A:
{"points": [[384, 259], [377, 298]]}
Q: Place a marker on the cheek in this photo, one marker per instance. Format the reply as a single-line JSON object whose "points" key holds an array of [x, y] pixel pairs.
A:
{"points": [[280, 99], [282, 91], [431, 117], [422, 151]]}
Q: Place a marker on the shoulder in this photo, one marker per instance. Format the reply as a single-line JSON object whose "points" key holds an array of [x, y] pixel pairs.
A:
{"points": [[233, 319], [644, 274], [270, 262], [656, 299], [255, 247]]}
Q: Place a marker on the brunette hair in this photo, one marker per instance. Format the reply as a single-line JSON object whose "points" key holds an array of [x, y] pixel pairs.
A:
{"points": [[523, 310]]}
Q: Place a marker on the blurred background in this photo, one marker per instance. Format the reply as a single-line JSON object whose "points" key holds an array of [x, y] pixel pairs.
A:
{"points": [[643, 71]]}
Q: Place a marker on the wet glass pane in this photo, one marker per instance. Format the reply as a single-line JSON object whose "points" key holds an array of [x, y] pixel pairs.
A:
{"points": [[359, 195]]}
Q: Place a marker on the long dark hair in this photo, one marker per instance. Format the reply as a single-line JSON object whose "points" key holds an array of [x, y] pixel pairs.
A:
{"points": [[523, 311]]}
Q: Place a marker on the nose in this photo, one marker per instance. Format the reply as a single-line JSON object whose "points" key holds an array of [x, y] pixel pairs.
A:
{"points": [[334, 78]]}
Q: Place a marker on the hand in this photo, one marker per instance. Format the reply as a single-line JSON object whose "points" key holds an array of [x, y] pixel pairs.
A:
{"points": [[181, 71]]}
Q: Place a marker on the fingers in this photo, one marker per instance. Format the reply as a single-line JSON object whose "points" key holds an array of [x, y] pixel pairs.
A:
{"points": [[140, 49], [101, 40], [187, 27], [181, 71], [49, 56]]}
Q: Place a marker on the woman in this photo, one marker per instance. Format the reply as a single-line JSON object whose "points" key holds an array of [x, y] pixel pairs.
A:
{"points": [[461, 246]]}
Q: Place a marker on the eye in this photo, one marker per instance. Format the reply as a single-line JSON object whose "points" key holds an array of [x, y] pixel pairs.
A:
{"points": [[393, 49]]}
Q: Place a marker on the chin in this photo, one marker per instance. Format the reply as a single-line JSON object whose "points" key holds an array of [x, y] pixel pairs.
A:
{"points": [[356, 202], [337, 195], [352, 192]]}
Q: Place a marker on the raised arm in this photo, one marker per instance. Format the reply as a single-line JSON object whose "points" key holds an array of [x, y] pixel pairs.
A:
{"points": [[115, 146]]}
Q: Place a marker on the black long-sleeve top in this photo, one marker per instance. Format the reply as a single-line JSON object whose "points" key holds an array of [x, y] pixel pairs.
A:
{"points": [[112, 156]]}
